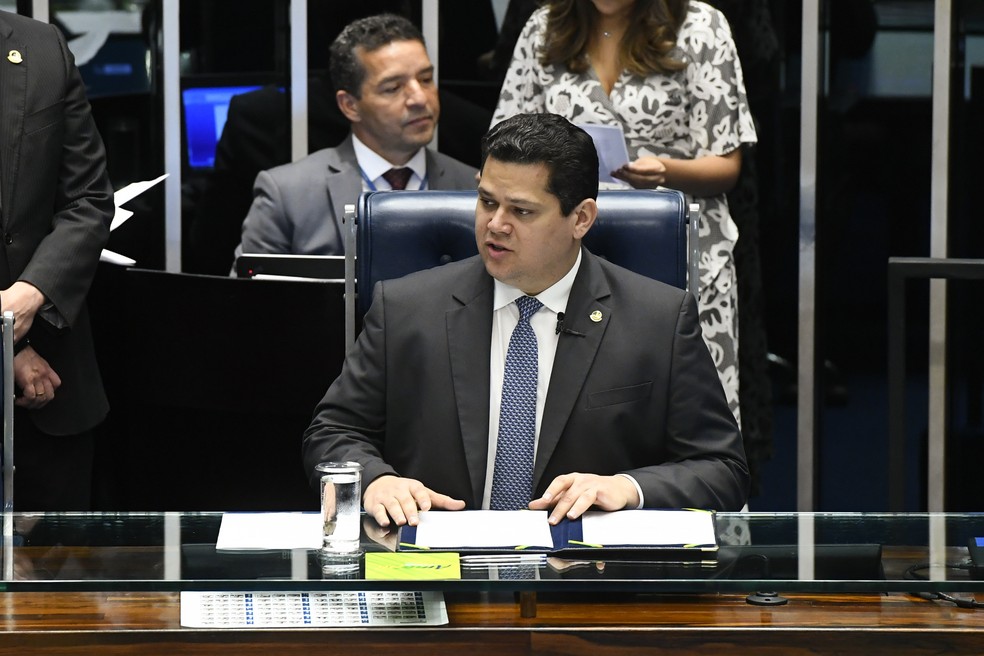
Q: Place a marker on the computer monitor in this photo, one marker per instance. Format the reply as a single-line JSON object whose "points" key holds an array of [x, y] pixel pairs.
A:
{"points": [[119, 68], [205, 112]]}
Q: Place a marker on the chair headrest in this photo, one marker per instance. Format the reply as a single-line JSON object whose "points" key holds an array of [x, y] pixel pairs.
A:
{"points": [[406, 231]]}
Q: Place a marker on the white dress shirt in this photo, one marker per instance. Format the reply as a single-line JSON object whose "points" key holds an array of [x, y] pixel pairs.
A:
{"points": [[374, 166]]}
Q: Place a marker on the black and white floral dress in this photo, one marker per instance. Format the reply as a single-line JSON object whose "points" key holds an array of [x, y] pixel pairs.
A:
{"points": [[700, 110]]}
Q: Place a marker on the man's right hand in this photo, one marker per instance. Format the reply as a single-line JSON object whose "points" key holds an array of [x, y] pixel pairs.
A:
{"points": [[24, 300], [398, 500]]}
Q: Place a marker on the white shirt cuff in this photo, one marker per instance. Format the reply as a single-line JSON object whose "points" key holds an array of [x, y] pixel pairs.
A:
{"points": [[642, 499]]}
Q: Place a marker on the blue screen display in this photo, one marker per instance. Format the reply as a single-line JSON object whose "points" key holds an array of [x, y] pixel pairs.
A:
{"points": [[205, 110]]}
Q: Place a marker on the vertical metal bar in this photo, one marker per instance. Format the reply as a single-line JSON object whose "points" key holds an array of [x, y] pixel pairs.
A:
{"points": [[805, 543], [41, 11], [299, 564], [693, 250], [430, 29], [172, 546], [806, 424], [171, 84], [937, 547], [298, 79], [942, 35], [350, 240], [896, 389], [8, 445]]}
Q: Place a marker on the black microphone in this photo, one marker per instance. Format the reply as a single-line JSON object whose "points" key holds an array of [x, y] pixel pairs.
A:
{"points": [[562, 329]]}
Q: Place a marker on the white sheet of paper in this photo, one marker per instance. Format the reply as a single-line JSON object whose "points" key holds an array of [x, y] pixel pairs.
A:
{"points": [[127, 194], [120, 197], [612, 154], [119, 218], [648, 527], [270, 531], [116, 258], [484, 528]]}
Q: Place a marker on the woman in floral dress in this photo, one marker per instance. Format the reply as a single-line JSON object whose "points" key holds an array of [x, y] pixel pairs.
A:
{"points": [[667, 72]]}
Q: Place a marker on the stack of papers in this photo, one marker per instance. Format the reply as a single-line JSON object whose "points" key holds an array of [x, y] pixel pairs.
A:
{"points": [[680, 532]]}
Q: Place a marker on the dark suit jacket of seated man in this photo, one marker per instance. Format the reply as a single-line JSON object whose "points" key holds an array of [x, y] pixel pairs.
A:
{"points": [[633, 389], [387, 91]]}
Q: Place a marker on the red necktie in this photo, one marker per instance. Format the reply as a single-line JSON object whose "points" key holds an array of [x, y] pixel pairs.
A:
{"points": [[398, 178]]}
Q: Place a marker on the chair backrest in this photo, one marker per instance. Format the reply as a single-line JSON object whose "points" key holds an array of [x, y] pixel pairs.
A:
{"points": [[398, 233]]}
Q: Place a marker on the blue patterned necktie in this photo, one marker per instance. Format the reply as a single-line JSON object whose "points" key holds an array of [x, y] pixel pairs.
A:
{"points": [[512, 478]]}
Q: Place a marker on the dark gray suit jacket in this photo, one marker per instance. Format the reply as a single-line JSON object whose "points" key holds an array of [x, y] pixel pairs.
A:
{"points": [[298, 207], [637, 393], [56, 204]]}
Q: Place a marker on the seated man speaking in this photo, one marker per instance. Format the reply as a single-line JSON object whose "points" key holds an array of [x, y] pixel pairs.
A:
{"points": [[536, 375]]}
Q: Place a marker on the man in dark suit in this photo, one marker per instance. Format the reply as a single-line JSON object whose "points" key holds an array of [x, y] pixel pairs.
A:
{"points": [[57, 203], [629, 411], [387, 91]]}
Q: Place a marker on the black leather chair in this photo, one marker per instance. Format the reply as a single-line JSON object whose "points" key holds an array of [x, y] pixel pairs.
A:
{"points": [[650, 232]]}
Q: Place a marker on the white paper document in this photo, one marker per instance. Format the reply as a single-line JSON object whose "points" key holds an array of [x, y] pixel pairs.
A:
{"points": [[612, 154], [244, 531], [649, 527], [125, 195], [257, 610], [116, 258], [485, 528], [121, 215]]}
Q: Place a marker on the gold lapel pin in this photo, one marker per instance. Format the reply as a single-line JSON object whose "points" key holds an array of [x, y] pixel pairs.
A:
{"points": [[14, 57], [595, 316]]}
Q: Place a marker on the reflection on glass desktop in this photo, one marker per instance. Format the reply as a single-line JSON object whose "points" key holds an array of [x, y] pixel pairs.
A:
{"points": [[205, 112]]}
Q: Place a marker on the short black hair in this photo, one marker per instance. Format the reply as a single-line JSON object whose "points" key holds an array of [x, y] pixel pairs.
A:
{"points": [[567, 151], [370, 33]]}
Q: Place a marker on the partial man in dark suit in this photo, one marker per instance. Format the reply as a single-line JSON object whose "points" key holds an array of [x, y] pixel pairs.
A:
{"points": [[56, 204], [627, 410], [387, 91]]}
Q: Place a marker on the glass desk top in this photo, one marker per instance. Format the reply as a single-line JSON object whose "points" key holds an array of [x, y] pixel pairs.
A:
{"points": [[788, 552]]}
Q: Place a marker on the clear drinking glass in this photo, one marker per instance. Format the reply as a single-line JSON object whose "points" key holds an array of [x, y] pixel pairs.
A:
{"points": [[341, 493]]}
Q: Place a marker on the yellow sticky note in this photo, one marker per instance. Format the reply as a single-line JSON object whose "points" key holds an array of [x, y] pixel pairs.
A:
{"points": [[412, 566]]}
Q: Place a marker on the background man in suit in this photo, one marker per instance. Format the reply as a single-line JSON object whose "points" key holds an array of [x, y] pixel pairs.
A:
{"points": [[57, 203], [629, 411], [386, 89]]}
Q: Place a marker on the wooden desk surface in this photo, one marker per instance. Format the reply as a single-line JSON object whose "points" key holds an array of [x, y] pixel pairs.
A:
{"points": [[149, 624]]}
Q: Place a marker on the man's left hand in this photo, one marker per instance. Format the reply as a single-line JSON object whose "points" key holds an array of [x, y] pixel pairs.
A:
{"points": [[571, 495], [37, 380]]}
